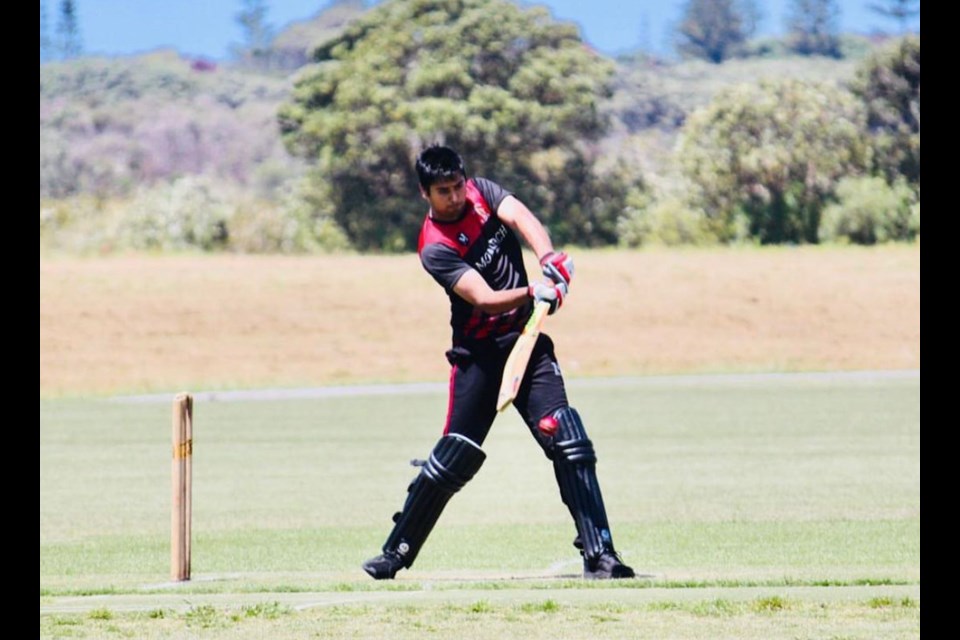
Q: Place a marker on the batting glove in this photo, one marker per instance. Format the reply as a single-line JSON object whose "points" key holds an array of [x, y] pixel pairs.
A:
{"points": [[548, 292], [558, 266]]}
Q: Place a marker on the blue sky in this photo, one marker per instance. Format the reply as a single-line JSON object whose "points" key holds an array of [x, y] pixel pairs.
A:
{"points": [[208, 28]]}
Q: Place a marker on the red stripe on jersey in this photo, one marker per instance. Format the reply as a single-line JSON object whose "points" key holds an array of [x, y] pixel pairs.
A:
{"points": [[482, 325], [453, 381]]}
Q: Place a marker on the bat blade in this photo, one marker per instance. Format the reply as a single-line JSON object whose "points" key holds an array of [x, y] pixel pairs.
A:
{"points": [[519, 357]]}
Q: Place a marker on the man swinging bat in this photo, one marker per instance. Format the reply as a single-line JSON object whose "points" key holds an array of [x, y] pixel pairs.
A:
{"points": [[470, 244]]}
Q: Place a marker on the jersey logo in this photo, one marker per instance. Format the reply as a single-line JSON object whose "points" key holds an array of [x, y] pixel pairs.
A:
{"points": [[463, 239], [493, 248], [481, 211], [479, 204]]}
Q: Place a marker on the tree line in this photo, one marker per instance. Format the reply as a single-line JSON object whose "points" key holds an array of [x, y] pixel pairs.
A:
{"points": [[528, 104], [520, 96]]}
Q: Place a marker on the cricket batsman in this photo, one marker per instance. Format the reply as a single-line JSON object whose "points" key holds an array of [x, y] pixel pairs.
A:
{"points": [[470, 244]]}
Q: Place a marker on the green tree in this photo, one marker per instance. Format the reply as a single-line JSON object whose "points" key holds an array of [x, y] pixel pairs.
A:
{"points": [[900, 10], [514, 91], [715, 30], [888, 82], [764, 159], [69, 44], [812, 28], [257, 32]]}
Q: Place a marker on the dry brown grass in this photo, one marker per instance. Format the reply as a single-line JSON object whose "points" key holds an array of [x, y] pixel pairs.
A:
{"points": [[146, 323]]}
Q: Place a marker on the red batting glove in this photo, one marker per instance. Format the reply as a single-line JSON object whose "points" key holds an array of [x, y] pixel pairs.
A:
{"points": [[558, 266]]}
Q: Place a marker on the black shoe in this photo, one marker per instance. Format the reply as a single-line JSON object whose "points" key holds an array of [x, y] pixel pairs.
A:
{"points": [[384, 567], [607, 566]]}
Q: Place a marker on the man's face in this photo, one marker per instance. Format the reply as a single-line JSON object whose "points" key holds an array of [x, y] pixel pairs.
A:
{"points": [[447, 198]]}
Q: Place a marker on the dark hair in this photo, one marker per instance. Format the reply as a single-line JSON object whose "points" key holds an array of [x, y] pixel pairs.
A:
{"points": [[437, 163]]}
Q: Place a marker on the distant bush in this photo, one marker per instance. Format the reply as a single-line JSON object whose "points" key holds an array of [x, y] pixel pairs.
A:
{"points": [[80, 224], [190, 213], [291, 226], [772, 153], [869, 211], [669, 222]]}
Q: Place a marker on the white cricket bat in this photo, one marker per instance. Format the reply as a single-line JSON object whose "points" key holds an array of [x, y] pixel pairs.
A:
{"points": [[519, 356]]}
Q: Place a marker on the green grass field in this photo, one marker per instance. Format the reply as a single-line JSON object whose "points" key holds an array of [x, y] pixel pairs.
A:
{"points": [[754, 507]]}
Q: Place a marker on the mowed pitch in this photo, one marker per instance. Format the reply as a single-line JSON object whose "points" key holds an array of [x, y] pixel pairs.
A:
{"points": [[146, 323]]}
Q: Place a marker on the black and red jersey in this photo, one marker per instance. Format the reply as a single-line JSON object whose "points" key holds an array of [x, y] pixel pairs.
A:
{"points": [[477, 240]]}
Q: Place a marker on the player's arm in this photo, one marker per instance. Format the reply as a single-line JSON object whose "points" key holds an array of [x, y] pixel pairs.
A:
{"points": [[450, 271], [557, 266], [474, 289], [513, 213]]}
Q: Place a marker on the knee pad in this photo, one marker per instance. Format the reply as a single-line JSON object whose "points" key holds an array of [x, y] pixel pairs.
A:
{"points": [[453, 462], [571, 444]]}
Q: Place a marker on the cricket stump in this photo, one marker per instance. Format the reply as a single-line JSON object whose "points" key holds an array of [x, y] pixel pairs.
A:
{"points": [[182, 509]]}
